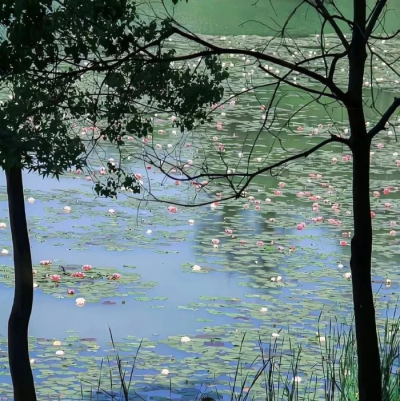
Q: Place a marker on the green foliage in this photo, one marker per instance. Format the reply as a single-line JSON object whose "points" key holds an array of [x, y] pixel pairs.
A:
{"points": [[67, 65]]}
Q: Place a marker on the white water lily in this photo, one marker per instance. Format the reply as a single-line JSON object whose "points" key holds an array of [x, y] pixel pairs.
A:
{"points": [[60, 353], [80, 301], [165, 372], [4, 252], [3, 225], [31, 200], [185, 339], [149, 232], [32, 361], [263, 309], [273, 279], [388, 282], [340, 266], [196, 268], [279, 278], [347, 275], [57, 343], [297, 379], [268, 200], [111, 211], [35, 285], [275, 335], [322, 339], [67, 208], [191, 222]]}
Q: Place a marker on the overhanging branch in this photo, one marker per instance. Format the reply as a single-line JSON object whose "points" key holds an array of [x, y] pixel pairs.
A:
{"points": [[214, 49]]}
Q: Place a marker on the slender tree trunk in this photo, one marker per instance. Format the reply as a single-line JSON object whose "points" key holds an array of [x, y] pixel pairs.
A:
{"points": [[18, 353], [369, 372]]}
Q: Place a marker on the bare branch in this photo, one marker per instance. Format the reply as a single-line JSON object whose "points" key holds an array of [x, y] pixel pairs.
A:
{"points": [[373, 18], [385, 117], [319, 5], [214, 49]]}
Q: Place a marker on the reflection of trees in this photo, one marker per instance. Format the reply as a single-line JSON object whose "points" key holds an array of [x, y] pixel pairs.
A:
{"points": [[216, 222]]}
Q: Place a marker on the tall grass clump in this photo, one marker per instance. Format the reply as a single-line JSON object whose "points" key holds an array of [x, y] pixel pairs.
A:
{"points": [[275, 372]]}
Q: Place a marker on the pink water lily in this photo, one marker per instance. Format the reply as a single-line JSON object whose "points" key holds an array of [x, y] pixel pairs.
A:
{"points": [[215, 241], [78, 275], [172, 209], [87, 267], [228, 231], [71, 291], [55, 277], [260, 243]]}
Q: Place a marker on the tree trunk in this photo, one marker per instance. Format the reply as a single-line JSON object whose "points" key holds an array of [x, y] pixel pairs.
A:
{"points": [[18, 353], [369, 372]]}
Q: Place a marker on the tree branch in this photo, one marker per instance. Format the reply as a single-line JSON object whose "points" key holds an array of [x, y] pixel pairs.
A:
{"points": [[385, 117], [214, 49], [373, 18], [319, 5]]}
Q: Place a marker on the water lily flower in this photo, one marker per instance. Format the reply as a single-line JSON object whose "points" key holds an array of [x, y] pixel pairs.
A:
{"points": [[215, 241], [115, 276], [111, 211], [343, 243], [260, 243], [347, 275], [263, 309], [228, 231], [149, 232], [78, 275], [297, 379], [322, 339], [71, 291], [340, 266], [59, 353], [57, 343], [393, 223], [191, 222], [67, 208], [275, 335], [55, 277], [172, 209], [3, 225], [45, 262], [185, 339], [388, 282], [87, 267], [31, 200], [80, 301], [196, 268], [165, 372]]}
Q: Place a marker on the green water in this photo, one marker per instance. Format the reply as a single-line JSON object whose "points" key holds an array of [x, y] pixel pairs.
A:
{"points": [[262, 17]]}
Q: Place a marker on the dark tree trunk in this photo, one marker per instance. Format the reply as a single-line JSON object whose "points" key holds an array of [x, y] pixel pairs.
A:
{"points": [[369, 372], [18, 354]]}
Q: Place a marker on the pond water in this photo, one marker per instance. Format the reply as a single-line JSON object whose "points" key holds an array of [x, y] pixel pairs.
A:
{"points": [[141, 282]]}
